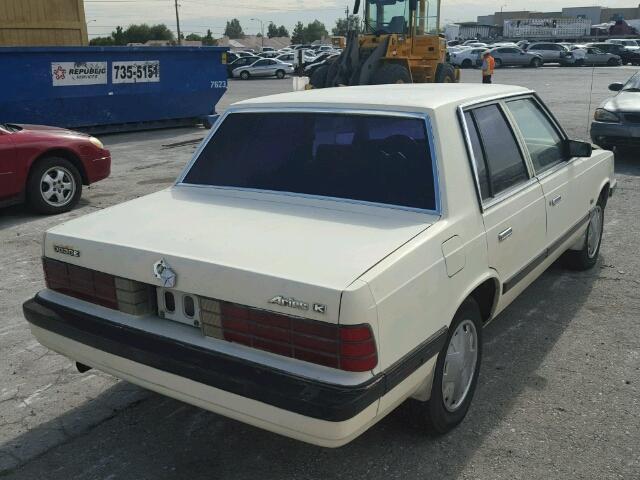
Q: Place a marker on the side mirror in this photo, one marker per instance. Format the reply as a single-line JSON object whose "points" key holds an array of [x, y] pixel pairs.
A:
{"points": [[616, 87], [576, 148]]}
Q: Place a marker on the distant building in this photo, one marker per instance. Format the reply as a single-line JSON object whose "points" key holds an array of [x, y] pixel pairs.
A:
{"points": [[254, 42], [42, 23], [595, 15], [471, 30]]}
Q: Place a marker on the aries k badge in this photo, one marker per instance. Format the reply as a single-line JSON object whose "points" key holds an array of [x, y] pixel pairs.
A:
{"points": [[163, 272]]}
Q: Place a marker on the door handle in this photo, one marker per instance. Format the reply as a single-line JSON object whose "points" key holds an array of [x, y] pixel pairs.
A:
{"points": [[555, 201], [503, 235]]}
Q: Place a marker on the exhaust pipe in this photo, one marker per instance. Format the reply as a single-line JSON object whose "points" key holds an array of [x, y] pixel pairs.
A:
{"points": [[82, 367]]}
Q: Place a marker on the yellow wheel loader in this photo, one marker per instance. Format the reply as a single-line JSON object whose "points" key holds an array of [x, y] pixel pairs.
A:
{"points": [[400, 44]]}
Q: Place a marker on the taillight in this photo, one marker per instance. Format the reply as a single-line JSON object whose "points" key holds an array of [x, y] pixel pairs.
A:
{"points": [[128, 296], [346, 347]]}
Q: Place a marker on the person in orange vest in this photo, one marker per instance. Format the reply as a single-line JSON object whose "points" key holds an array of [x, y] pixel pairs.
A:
{"points": [[488, 65]]}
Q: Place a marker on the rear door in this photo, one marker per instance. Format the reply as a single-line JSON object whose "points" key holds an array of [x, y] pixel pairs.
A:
{"points": [[512, 200]]}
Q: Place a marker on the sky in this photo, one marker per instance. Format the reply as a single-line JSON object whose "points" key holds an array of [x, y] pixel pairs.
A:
{"points": [[196, 16]]}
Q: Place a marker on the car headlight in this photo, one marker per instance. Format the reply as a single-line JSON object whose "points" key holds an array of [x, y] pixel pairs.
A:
{"points": [[96, 142], [603, 115]]}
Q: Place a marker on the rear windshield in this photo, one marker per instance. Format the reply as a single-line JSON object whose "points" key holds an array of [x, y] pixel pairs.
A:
{"points": [[372, 158]]}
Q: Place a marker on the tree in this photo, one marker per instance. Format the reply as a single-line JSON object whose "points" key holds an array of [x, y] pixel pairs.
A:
{"points": [[118, 36], [101, 41], [343, 26], [193, 37], [314, 31], [234, 29], [208, 39], [135, 34], [298, 33], [273, 31]]}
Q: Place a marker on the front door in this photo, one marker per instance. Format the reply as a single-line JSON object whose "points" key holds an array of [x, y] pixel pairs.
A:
{"points": [[9, 185]]}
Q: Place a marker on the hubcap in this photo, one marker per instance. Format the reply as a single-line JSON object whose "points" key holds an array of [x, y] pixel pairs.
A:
{"points": [[57, 186], [459, 365], [593, 233]]}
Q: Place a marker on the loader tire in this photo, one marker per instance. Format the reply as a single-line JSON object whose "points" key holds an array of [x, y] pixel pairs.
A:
{"points": [[391, 73], [445, 73], [319, 77]]}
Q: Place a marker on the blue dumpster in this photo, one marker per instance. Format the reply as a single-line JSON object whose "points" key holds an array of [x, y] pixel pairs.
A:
{"points": [[111, 88]]}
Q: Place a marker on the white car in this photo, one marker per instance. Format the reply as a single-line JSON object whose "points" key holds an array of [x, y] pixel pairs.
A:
{"points": [[626, 43], [467, 58], [328, 254]]}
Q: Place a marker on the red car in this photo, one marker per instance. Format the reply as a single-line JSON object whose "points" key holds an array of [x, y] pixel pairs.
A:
{"points": [[47, 166]]}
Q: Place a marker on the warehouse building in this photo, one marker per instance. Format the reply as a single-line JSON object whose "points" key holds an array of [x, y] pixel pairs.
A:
{"points": [[596, 15], [42, 22]]}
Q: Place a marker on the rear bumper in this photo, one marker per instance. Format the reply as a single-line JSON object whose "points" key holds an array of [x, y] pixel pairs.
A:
{"points": [[309, 410]]}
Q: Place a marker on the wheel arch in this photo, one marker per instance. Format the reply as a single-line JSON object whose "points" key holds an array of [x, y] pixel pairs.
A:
{"points": [[62, 153], [486, 292]]}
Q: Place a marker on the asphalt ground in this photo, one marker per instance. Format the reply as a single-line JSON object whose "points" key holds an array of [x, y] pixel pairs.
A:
{"points": [[559, 389]]}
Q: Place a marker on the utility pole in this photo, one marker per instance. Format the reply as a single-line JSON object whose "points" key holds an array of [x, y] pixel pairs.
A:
{"points": [[178, 23], [346, 11]]}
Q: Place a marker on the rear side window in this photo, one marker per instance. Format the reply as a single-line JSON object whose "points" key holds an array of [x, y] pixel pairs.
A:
{"points": [[478, 155], [504, 163], [542, 139], [372, 158]]}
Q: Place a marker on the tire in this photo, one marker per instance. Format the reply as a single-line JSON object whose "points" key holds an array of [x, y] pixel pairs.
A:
{"points": [[612, 62], [445, 73], [498, 63], [587, 257], [444, 412], [389, 73], [466, 63], [280, 74], [579, 62], [57, 174], [244, 75], [318, 78], [536, 63]]}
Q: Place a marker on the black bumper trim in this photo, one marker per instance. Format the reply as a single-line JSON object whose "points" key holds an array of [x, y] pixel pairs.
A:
{"points": [[258, 382]]}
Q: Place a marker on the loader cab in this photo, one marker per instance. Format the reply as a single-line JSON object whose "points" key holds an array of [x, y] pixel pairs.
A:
{"points": [[402, 17]]}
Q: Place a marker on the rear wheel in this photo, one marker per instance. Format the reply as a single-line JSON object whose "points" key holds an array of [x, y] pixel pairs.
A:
{"points": [[391, 73], [579, 62], [445, 73], [54, 186], [536, 63], [244, 75], [612, 62], [466, 63], [280, 74], [319, 76], [457, 369], [498, 63]]}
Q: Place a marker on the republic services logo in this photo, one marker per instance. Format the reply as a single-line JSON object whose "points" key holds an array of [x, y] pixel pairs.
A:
{"points": [[60, 73]]}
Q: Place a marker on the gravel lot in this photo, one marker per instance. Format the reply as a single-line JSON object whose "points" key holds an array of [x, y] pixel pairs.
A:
{"points": [[559, 388]]}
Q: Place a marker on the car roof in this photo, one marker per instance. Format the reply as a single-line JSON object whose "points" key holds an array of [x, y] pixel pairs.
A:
{"points": [[398, 97]]}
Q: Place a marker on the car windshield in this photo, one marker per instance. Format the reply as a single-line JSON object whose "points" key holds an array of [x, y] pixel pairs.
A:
{"points": [[633, 84], [372, 158]]}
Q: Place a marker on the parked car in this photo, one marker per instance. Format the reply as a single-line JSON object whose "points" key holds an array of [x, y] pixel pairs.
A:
{"points": [[241, 62], [626, 55], [627, 43], [265, 67], [315, 264], [594, 56], [467, 58], [231, 57], [617, 121], [47, 166], [550, 52], [286, 57], [322, 59], [511, 56]]}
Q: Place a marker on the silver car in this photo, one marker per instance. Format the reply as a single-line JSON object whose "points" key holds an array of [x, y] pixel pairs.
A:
{"points": [[551, 52], [595, 56], [266, 67], [506, 56]]}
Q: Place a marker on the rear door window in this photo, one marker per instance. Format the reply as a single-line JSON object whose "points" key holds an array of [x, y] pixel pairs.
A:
{"points": [[372, 158], [505, 164]]}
